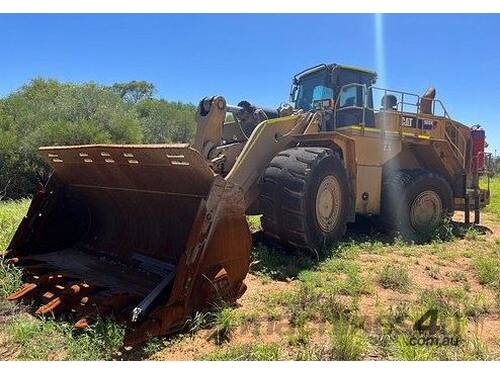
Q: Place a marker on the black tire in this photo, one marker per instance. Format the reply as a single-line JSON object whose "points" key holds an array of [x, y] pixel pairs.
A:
{"points": [[416, 202], [288, 198]]}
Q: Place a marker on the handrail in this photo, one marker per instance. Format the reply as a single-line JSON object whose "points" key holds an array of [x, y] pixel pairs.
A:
{"points": [[460, 149], [458, 132], [458, 153], [459, 146]]}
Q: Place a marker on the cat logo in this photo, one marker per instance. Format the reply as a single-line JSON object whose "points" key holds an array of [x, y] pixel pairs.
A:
{"points": [[407, 121], [387, 146]]}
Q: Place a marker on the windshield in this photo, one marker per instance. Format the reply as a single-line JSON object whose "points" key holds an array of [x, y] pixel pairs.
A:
{"points": [[312, 88]]}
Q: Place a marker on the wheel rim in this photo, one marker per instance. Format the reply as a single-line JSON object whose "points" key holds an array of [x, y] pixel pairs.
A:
{"points": [[426, 210], [328, 200]]}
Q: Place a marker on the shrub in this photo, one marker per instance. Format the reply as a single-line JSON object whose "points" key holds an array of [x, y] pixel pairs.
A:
{"points": [[394, 276], [348, 343], [225, 320]]}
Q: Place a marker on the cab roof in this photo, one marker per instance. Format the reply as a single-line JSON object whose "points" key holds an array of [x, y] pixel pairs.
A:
{"points": [[332, 67]]}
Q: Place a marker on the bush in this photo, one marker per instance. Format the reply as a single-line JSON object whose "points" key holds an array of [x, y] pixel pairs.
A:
{"points": [[49, 113]]}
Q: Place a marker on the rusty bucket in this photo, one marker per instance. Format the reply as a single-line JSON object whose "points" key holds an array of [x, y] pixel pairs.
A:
{"points": [[147, 233]]}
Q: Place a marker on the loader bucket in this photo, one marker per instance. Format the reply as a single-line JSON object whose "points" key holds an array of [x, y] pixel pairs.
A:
{"points": [[147, 233]]}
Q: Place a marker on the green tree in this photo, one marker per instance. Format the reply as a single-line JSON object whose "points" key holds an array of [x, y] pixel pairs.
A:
{"points": [[45, 112], [165, 122], [134, 91], [48, 113]]}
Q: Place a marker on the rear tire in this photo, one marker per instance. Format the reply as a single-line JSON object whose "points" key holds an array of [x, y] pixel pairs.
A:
{"points": [[305, 198], [416, 202]]}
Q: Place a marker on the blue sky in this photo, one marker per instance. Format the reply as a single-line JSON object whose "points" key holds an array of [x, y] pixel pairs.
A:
{"points": [[253, 57]]}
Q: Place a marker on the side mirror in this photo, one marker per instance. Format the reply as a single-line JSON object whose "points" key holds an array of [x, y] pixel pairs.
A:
{"points": [[293, 92]]}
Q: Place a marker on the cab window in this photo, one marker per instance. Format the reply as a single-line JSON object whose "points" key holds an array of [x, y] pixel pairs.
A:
{"points": [[321, 93], [351, 96]]}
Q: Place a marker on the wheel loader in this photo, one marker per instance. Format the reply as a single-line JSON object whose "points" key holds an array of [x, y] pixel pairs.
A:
{"points": [[153, 233]]}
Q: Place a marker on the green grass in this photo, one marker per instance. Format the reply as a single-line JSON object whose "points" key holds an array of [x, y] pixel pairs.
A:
{"points": [[403, 350], [333, 308], [197, 321], [348, 342], [303, 305], [494, 206], [392, 320], [277, 264], [300, 336], [458, 312], [250, 352], [337, 275], [318, 293], [311, 353], [326, 289], [458, 276], [225, 320], [10, 278], [394, 276], [468, 349], [11, 214], [488, 270], [46, 339], [37, 339], [454, 307], [153, 345]]}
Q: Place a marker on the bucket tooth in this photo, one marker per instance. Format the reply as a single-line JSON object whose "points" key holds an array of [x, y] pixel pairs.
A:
{"points": [[66, 297], [82, 323], [24, 292], [87, 310], [51, 306], [102, 303], [27, 290]]}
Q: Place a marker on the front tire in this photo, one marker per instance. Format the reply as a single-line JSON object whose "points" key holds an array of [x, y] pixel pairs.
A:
{"points": [[305, 198]]}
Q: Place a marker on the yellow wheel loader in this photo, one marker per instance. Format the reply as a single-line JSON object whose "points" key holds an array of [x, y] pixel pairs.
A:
{"points": [[153, 233]]}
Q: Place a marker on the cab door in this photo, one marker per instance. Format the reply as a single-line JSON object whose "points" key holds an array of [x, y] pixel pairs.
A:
{"points": [[353, 106]]}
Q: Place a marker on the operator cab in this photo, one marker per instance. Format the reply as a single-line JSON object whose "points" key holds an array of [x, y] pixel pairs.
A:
{"points": [[342, 89]]}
